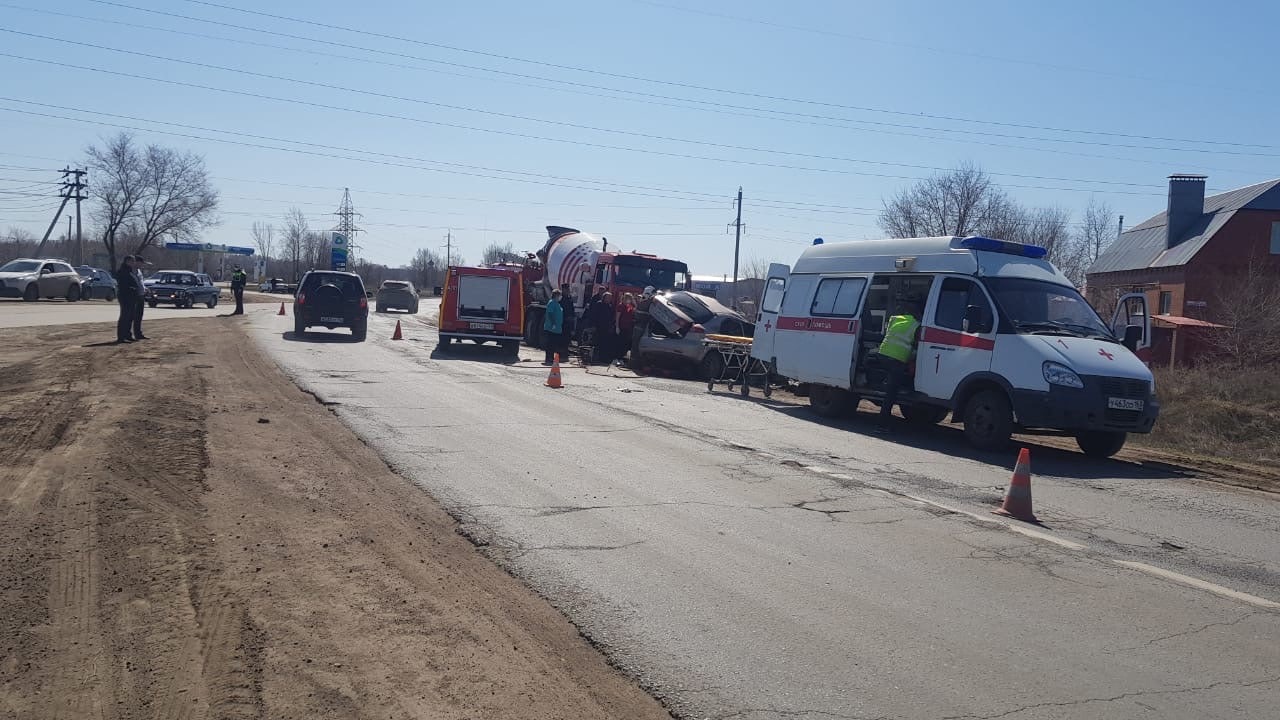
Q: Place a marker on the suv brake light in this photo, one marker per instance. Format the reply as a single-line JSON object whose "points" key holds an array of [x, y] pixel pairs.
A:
{"points": [[364, 302], [302, 298]]}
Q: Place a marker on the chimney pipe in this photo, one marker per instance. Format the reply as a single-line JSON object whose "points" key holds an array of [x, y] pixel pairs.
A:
{"points": [[1186, 206]]}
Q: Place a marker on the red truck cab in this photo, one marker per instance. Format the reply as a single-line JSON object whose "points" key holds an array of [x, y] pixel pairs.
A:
{"points": [[483, 304]]}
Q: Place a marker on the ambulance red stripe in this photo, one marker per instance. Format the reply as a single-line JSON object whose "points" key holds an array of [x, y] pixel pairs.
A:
{"points": [[827, 325], [938, 336]]}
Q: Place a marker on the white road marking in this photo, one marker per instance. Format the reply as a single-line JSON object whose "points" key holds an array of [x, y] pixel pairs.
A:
{"points": [[1198, 583]]}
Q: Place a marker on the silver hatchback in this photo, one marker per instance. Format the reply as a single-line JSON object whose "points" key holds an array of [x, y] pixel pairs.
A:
{"points": [[677, 324], [397, 295]]}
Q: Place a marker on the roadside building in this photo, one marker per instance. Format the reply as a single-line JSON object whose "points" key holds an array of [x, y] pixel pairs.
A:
{"points": [[1186, 258]]}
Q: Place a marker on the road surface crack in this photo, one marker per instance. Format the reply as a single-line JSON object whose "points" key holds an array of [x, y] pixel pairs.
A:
{"points": [[1185, 633], [1121, 696]]}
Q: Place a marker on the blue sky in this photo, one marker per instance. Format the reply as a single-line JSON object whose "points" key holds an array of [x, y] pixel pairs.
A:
{"points": [[639, 120]]}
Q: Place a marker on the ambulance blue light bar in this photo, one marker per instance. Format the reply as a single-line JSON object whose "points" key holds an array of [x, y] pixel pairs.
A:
{"points": [[977, 242]]}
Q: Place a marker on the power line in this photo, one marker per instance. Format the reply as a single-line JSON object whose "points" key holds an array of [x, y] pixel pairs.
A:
{"points": [[576, 126], [638, 78], [706, 104]]}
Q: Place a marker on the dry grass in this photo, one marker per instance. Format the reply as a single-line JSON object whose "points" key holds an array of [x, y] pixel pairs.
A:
{"points": [[1219, 411]]}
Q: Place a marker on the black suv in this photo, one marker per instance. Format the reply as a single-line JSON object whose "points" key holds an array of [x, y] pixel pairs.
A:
{"points": [[331, 299]]}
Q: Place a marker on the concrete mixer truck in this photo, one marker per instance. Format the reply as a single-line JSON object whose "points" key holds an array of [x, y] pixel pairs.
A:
{"points": [[585, 263]]}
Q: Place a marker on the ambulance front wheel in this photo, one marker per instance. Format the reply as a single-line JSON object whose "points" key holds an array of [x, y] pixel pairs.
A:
{"points": [[1100, 444], [988, 420]]}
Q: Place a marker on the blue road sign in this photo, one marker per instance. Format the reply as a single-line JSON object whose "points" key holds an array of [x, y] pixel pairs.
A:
{"points": [[183, 246], [239, 250], [338, 258]]}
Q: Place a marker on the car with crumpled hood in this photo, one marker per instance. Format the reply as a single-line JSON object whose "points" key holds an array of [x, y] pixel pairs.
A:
{"points": [[676, 324]]}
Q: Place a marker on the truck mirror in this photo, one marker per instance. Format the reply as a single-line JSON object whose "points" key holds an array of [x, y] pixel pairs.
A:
{"points": [[976, 319], [1132, 336]]}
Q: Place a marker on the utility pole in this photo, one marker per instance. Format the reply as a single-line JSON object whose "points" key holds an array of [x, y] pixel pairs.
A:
{"points": [[448, 249], [71, 190], [737, 243]]}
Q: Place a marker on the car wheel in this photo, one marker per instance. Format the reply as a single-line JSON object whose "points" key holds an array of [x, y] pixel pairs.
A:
{"points": [[988, 420], [828, 401], [299, 327], [73, 293], [379, 309], [153, 304], [444, 342], [213, 302], [111, 296], [1101, 445], [924, 414], [511, 349], [711, 367], [31, 294], [359, 333]]}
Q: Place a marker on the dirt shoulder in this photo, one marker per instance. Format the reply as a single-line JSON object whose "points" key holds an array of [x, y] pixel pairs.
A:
{"points": [[166, 553]]}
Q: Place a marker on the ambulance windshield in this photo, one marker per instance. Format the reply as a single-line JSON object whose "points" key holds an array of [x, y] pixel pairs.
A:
{"points": [[1037, 307]]}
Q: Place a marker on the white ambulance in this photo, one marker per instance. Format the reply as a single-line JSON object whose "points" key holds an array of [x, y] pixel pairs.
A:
{"points": [[1006, 344]]}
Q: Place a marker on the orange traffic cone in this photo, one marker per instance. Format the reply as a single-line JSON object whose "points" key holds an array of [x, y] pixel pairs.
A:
{"points": [[397, 335], [553, 380], [282, 312], [1017, 499]]}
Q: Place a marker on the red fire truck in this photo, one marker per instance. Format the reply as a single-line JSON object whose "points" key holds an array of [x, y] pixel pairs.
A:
{"points": [[484, 304]]}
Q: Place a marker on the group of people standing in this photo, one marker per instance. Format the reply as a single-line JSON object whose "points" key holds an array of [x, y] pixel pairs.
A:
{"points": [[131, 292], [607, 325]]}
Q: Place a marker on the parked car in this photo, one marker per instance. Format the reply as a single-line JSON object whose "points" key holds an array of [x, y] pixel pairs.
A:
{"points": [[182, 288], [676, 326], [397, 295], [277, 285], [32, 279], [331, 299], [97, 283]]}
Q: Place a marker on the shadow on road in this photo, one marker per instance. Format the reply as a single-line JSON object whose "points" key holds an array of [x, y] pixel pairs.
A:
{"points": [[487, 353], [312, 336], [949, 440]]}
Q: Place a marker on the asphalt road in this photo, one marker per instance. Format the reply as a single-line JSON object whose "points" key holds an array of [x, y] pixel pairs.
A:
{"points": [[744, 560], [16, 313]]}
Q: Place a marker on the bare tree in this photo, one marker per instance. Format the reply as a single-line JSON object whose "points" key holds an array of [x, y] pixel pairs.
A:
{"points": [[177, 199], [119, 185], [316, 250], [1249, 306], [960, 202], [296, 230], [427, 267], [264, 235], [753, 268], [495, 253], [1097, 230]]}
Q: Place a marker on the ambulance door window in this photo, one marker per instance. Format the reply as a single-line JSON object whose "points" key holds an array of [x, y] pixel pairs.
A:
{"points": [[954, 299]]}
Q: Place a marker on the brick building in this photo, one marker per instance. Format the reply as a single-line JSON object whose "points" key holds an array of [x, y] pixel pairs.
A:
{"points": [[1183, 258]]}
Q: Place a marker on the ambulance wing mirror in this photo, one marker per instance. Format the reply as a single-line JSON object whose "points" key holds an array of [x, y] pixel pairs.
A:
{"points": [[1132, 337], [977, 319]]}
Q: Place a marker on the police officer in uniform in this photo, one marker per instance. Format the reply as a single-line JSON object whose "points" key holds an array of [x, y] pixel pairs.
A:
{"points": [[238, 280], [901, 334]]}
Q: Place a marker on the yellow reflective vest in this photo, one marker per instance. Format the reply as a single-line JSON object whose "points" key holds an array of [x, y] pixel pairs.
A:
{"points": [[900, 337]]}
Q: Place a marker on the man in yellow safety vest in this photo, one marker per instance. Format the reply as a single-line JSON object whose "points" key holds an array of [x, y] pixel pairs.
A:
{"points": [[896, 351]]}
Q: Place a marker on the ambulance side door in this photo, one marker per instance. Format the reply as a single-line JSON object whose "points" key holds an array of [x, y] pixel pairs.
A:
{"points": [[762, 344], [791, 349], [958, 336], [833, 328]]}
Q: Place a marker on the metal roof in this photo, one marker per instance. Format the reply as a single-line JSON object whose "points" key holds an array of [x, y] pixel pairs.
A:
{"points": [[1144, 245]]}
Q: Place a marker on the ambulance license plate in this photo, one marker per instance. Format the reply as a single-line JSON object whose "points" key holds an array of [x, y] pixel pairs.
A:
{"points": [[330, 319], [1124, 404], [481, 326]]}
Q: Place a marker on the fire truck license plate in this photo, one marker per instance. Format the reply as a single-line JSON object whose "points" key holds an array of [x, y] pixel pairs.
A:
{"points": [[481, 326], [1124, 404]]}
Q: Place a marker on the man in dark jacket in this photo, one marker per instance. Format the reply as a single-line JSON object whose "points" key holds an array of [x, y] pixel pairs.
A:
{"points": [[139, 263], [570, 320], [129, 293], [601, 317]]}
